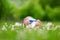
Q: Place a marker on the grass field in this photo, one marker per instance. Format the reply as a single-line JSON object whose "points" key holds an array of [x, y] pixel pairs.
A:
{"points": [[10, 32]]}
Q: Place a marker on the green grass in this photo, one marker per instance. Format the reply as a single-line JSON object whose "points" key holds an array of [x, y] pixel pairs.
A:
{"points": [[21, 33]]}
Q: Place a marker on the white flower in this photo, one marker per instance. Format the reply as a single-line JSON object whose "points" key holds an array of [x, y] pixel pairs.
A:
{"points": [[27, 26], [18, 24], [57, 27], [48, 28], [49, 24], [12, 28], [4, 28], [40, 31]]}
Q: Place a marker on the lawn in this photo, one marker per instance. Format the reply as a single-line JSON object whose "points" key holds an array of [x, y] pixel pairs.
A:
{"points": [[10, 32]]}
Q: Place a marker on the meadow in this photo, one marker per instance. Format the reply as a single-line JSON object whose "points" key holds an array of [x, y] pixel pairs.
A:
{"points": [[13, 31], [17, 10]]}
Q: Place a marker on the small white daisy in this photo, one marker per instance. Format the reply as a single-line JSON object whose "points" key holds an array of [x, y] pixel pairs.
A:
{"points": [[4, 28], [18, 24], [12, 28], [57, 27], [48, 25]]}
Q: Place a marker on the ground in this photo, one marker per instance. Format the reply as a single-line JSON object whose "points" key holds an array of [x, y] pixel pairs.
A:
{"points": [[11, 32]]}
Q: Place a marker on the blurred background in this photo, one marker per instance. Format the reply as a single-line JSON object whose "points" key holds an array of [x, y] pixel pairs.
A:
{"points": [[12, 11], [17, 10]]}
